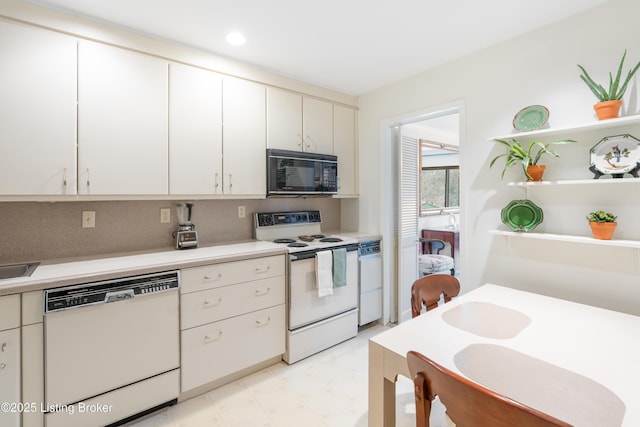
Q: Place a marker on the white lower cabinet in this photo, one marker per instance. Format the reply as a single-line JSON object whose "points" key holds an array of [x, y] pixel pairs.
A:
{"points": [[10, 378], [232, 317]]}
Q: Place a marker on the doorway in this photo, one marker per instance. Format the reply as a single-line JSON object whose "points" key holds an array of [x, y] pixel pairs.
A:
{"points": [[413, 213]]}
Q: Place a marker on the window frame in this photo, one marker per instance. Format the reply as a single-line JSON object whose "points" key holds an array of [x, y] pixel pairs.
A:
{"points": [[444, 209]]}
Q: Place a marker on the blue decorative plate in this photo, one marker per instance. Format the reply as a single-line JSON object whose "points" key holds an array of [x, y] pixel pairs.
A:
{"points": [[531, 118], [521, 215]]}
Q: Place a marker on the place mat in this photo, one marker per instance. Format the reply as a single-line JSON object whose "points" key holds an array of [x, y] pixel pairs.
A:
{"points": [[487, 320], [563, 394]]}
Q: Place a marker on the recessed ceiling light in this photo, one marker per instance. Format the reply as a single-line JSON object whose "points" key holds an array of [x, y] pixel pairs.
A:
{"points": [[236, 38]]}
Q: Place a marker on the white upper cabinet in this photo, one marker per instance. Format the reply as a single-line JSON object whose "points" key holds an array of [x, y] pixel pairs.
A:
{"points": [[317, 126], [195, 131], [299, 123], [284, 120], [37, 112], [122, 122], [344, 147], [244, 138]]}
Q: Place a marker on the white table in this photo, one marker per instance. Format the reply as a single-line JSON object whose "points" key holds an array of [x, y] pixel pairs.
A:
{"points": [[586, 359]]}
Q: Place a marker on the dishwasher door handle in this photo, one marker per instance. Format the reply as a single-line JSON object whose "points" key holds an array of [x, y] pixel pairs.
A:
{"points": [[118, 296]]}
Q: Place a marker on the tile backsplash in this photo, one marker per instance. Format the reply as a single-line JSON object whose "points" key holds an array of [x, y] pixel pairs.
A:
{"points": [[38, 231]]}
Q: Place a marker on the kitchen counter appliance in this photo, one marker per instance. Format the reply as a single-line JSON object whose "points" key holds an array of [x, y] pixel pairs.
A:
{"points": [[314, 322], [186, 236], [370, 276], [111, 345], [295, 173]]}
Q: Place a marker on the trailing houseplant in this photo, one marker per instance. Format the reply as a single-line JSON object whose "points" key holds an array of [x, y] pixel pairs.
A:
{"points": [[610, 99], [602, 224], [527, 158]]}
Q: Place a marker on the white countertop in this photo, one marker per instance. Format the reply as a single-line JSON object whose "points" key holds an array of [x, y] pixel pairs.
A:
{"points": [[58, 273]]}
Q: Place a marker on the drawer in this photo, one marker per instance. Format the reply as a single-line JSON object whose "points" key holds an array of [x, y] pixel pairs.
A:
{"points": [[32, 307], [213, 351], [9, 312], [227, 273], [211, 305]]}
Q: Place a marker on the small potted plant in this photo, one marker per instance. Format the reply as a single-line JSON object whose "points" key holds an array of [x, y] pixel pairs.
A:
{"points": [[611, 99], [528, 157], [602, 224]]}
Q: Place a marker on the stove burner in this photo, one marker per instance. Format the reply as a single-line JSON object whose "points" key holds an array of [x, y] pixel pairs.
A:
{"points": [[331, 239], [318, 236], [284, 241], [297, 245]]}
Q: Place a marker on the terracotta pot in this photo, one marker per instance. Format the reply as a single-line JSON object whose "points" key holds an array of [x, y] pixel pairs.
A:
{"points": [[535, 172], [603, 230], [608, 109]]}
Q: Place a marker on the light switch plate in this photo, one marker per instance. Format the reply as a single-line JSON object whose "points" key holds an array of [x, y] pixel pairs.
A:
{"points": [[165, 215], [241, 212], [88, 219]]}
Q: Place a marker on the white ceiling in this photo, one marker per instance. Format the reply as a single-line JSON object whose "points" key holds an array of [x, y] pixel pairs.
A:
{"points": [[352, 46]]}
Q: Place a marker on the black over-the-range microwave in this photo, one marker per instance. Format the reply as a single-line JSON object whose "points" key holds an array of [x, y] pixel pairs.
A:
{"points": [[296, 173]]}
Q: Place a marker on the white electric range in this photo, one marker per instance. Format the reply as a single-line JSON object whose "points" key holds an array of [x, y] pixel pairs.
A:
{"points": [[315, 321]]}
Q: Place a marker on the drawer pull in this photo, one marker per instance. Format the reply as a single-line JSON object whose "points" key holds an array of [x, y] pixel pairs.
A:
{"points": [[213, 278], [263, 270], [3, 347], [263, 322], [208, 338], [3, 365], [260, 292], [208, 303]]}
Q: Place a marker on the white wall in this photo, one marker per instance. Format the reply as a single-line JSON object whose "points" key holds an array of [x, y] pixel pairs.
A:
{"points": [[537, 68]]}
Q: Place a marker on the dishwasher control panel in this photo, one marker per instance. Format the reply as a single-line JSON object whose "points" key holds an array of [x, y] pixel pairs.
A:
{"points": [[109, 291]]}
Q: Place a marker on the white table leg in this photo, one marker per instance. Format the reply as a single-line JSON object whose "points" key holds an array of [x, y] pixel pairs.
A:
{"points": [[382, 391]]}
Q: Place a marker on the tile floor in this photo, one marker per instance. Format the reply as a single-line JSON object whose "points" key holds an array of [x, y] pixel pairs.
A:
{"points": [[328, 389]]}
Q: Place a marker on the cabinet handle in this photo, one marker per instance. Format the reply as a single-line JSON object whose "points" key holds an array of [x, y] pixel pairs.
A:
{"points": [[88, 177], [3, 347], [216, 183], [260, 292], [208, 338], [64, 177], [208, 303], [3, 365], [213, 278], [263, 269], [263, 322], [230, 182], [307, 145]]}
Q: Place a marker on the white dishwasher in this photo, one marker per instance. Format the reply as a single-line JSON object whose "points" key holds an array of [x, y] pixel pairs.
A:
{"points": [[370, 269], [111, 350]]}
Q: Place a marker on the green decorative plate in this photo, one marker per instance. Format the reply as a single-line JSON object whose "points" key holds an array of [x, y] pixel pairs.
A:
{"points": [[531, 118], [521, 215]]}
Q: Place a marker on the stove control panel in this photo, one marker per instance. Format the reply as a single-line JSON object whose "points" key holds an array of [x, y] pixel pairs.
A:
{"points": [[282, 218]]}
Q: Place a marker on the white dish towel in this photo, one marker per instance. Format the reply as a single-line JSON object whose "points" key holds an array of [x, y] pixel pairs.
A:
{"points": [[324, 273]]}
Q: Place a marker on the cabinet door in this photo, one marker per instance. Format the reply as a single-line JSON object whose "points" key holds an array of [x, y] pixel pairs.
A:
{"points": [[244, 138], [195, 131], [284, 120], [317, 119], [344, 146], [122, 121], [37, 112], [10, 376]]}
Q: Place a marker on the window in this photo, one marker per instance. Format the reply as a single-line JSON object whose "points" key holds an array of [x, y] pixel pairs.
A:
{"points": [[439, 188]]}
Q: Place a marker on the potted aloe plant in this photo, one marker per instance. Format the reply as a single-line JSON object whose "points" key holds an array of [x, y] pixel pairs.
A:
{"points": [[610, 99], [602, 224], [528, 157]]}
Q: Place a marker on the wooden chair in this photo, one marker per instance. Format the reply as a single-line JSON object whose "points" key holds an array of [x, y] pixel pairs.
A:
{"points": [[430, 261], [428, 289], [468, 404]]}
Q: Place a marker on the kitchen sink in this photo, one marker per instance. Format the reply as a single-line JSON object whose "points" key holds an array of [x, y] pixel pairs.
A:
{"points": [[17, 270]]}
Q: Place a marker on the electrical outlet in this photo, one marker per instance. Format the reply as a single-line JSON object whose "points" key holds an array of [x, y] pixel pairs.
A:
{"points": [[165, 215], [241, 212], [88, 219]]}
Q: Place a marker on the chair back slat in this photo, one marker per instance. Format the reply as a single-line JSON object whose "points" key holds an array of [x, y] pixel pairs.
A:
{"points": [[468, 403]]}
